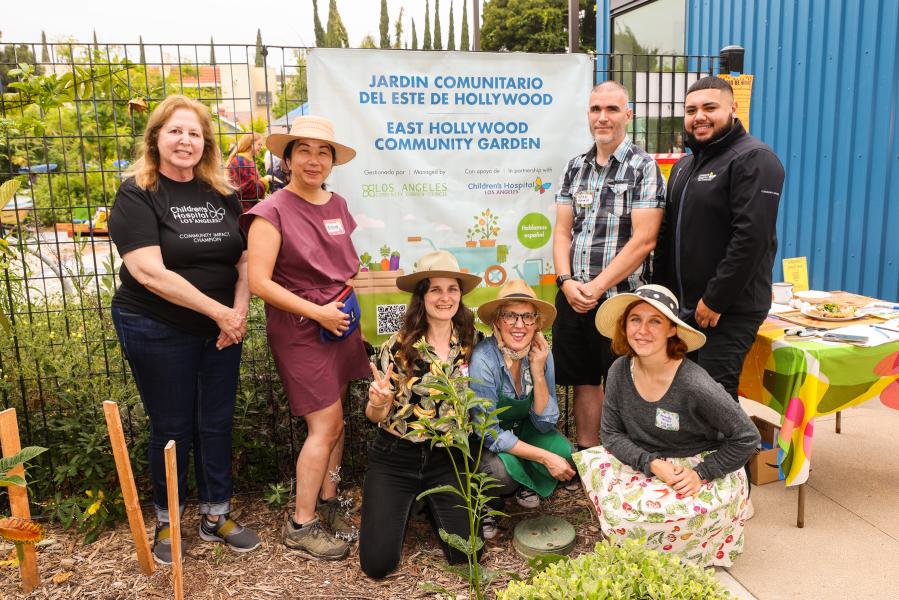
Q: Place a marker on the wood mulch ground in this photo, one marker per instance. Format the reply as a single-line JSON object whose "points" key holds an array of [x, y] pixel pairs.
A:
{"points": [[108, 570]]}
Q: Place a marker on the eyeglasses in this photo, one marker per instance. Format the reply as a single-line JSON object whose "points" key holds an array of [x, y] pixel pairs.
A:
{"points": [[511, 318]]}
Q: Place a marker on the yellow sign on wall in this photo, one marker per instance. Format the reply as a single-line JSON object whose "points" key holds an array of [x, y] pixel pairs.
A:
{"points": [[796, 272], [742, 85]]}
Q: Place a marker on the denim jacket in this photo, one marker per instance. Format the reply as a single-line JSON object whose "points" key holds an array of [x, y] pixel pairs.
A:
{"points": [[490, 377]]}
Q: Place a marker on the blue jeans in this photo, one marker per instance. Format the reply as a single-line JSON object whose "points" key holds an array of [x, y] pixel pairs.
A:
{"points": [[188, 389]]}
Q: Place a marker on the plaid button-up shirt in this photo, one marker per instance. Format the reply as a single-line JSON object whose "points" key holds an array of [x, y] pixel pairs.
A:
{"points": [[602, 198]]}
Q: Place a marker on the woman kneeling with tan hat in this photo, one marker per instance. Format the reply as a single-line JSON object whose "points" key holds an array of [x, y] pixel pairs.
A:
{"points": [[514, 370], [402, 463], [674, 442]]}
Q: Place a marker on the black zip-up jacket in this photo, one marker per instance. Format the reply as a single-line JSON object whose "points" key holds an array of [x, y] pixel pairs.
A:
{"points": [[718, 238]]}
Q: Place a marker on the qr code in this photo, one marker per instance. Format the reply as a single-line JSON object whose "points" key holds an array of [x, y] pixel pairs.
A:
{"points": [[390, 317]]}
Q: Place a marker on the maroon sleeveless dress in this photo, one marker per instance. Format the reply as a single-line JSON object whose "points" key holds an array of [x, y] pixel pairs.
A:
{"points": [[316, 259]]}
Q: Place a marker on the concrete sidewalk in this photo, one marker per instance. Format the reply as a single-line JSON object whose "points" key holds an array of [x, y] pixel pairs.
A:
{"points": [[850, 543]]}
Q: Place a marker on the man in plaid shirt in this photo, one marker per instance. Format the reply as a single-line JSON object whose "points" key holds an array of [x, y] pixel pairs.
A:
{"points": [[608, 212]]}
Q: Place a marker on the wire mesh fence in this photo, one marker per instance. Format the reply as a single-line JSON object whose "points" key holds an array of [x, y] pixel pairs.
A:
{"points": [[71, 117]]}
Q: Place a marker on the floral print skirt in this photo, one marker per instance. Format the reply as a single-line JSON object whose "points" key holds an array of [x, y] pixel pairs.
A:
{"points": [[705, 530]]}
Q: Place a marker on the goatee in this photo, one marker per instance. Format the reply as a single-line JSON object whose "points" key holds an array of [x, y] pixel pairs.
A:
{"points": [[698, 146]]}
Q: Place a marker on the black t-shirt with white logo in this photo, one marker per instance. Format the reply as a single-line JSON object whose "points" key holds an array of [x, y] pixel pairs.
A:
{"points": [[196, 230]]}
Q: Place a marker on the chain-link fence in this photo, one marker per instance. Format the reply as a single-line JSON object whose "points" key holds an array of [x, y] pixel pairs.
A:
{"points": [[71, 116]]}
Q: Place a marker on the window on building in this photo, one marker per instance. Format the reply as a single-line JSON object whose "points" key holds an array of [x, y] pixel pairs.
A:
{"points": [[648, 46], [263, 98]]}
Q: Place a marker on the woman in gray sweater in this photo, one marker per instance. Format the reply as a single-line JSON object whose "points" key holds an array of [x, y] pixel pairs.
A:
{"points": [[674, 442]]}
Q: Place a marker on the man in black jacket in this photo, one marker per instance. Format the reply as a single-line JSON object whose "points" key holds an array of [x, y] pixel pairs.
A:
{"points": [[717, 244]]}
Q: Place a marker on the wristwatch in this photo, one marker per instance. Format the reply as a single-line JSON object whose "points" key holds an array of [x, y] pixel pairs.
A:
{"points": [[562, 279]]}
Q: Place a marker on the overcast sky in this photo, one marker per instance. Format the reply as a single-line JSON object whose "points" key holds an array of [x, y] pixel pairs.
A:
{"points": [[283, 22]]}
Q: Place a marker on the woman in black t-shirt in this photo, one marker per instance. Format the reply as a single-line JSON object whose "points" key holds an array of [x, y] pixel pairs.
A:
{"points": [[180, 313]]}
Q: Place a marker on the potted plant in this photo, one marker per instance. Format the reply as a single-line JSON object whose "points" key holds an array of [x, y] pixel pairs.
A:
{"points": [[395, 260], [470, 242], [385, 257], [488, 227], [364, 261]]}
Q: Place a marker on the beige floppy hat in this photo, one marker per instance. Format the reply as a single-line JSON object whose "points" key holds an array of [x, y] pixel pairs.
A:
{"points": [[516, 290], [310, 127], [657, 296], [437, 264]]}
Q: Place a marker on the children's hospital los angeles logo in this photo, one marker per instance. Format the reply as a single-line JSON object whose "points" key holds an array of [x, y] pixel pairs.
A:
{"points": [[188, 215]]}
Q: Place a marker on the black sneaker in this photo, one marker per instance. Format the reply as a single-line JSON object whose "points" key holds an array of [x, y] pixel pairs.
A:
{"points": [[489, 527], [226, 530]]}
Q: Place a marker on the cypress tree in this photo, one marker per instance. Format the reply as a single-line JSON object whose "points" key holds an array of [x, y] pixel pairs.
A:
{"points": [[426, 44], [336, 36], [385, 25], [398, 30], [438, 35], [317, 24], [143, 55], [451, 42], [260, 60], [414, 36], [463, 44], [45, 50], [211, 51]]}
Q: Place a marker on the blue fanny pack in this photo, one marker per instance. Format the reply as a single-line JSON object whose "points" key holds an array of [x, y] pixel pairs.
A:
{"points": [[351, 308]]}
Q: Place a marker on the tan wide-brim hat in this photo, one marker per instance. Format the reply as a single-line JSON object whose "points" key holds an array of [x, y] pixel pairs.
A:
{"points": [[657, 296], [311, 128], [437, 264], [516, 290]]}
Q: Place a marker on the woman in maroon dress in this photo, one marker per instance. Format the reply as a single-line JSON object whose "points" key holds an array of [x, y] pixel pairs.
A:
{"points": [[300, 257]]}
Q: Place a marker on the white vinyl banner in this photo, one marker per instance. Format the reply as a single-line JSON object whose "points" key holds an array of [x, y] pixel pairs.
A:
{"points": [[459, 151]]}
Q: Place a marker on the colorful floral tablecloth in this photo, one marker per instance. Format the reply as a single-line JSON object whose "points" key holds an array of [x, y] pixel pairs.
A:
{"points": [[802, 380]]}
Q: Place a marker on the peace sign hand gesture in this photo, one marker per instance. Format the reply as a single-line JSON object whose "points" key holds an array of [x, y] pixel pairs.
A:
{"points": [[380, 395]]}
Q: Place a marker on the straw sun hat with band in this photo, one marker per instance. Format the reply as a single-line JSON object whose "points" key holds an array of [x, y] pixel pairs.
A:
{"points": [[516, 290], [311, 128], [658, 297], [437, 264]]}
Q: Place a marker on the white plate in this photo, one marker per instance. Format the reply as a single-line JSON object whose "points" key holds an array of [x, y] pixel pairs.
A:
{"points": [[807, 312], [813, 296]]}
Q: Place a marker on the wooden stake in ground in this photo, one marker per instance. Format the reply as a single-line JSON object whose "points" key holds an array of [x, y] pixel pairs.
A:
{"points": [[171, 483], [129, 490], [18, 496]]}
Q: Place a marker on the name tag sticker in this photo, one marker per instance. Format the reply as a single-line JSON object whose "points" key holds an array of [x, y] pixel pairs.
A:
{"points": [[334, 227], [584, 198], [666, 420]]}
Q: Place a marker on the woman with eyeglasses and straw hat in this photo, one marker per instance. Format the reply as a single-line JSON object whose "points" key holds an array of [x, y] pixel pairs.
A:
{"points": [[514, 370], [300, 259], [401, 463], [674, 442]]}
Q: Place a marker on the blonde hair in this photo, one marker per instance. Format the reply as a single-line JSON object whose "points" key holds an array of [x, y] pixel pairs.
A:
{"points": [[244, 144], [145, 169]]}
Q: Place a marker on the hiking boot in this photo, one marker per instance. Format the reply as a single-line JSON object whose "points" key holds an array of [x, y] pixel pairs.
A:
{"points": [[162, 544], [333, 516], [489, 527], [312, 541], [527, 498], [226, 530]]}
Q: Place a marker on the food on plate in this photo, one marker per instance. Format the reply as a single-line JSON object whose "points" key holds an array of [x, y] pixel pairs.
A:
{"points": [[832, 310]]}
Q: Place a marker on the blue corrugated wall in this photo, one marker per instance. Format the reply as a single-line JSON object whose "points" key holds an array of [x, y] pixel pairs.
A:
{"points": [[825, 98]]}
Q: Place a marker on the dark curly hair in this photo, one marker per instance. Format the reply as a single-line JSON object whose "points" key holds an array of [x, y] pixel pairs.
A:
{"points": [[415, 325]]}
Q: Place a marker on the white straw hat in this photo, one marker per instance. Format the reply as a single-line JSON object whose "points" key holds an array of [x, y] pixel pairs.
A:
{"points": [[314, 128], [657, 296]]}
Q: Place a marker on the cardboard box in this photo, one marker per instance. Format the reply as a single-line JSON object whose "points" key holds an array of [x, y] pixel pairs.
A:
{"points": [[763, 467]]}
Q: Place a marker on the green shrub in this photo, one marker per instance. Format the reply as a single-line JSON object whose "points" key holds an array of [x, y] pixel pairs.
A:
{"points": [[628, 570]]}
